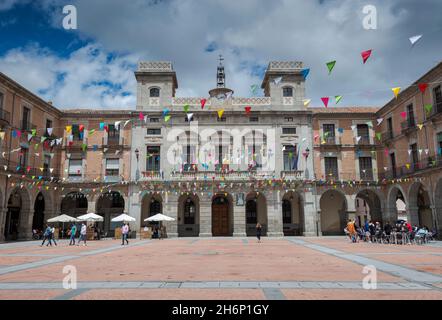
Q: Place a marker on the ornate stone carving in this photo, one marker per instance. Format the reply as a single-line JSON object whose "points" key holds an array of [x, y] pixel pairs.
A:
{"points": [[257, 101], [155, 102], [282, 65]]}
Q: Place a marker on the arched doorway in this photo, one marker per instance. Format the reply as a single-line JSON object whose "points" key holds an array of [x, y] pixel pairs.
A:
{"points": [[420, 206], [222, 212], [109, 205], [74, 204], [333, 213], [188, 216], [12, 222], [39, 213], [368, 207], [256, 211], [396, 204], [438, 205], [150, 206], [292, 214]]}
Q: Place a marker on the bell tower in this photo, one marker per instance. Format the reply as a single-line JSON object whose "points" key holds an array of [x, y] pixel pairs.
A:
{"points": [[220, 89]]}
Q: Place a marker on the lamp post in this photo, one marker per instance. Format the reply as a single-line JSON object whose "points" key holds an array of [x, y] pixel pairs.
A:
{"points": [[137, 173]]}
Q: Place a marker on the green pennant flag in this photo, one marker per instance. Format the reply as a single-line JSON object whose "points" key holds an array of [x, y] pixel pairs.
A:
{"points": [[338, 98], [36, 146], [379, 135], [167, 118], [330, 66], [91, 132], [433, 162], [83, 147], [370, 124], [326, 134], [186, 108], [428, 108], [43, 139], [34, 132]]}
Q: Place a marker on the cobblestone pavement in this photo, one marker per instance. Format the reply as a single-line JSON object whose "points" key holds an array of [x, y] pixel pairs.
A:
{"points": [[221, 268]]}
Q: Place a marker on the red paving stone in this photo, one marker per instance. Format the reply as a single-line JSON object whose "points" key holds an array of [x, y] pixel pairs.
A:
{"points": [[353, 294], [30, 294], [172, 294], [11, 261], [204, 260]]}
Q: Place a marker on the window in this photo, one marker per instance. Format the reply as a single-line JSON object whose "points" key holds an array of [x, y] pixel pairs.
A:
{"points": [[329, 133], [287, 92], [112, 167], [1, 100], [286, 211], [290, 158], [46, 165], [25, 125], [253, 119], [365, 168], [154, 208], [76, 133], [439, 143], [154, 119], [414, 156], [393, 164], [289, 130], [75, 167], [153, 158], [113, 133], [154, 92], [331, 168], [221, 153], [390, 128], [437, 94], [363, 132], [410, 116], [189, 156], [189, 212], [222, 119], [23, 161], [48, 126], [251, 212], [154, 131], [288, 119]]}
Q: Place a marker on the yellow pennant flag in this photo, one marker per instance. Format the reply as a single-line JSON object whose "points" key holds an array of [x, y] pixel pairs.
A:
{"points": [[420, 126], [396, 91], [68, 129], [220, 113], [307, 102], [2, 135], [407, 165]]}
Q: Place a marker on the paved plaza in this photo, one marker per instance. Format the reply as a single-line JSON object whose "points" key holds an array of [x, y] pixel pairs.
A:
{"points": [[221, 268]]}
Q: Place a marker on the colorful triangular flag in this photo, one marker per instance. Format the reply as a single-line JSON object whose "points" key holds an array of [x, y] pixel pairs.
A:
{"points": [[325, 101], [330, 66], [365, 55], [396, 91]]}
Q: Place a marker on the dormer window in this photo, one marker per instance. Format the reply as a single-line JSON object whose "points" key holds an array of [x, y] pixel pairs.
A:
{"points": [[287, 92], [154, 92]]}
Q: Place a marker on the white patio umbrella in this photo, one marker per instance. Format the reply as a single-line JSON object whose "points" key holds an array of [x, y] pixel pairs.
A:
{"points": [[159, 217], [90, 217], [124, 218], [63, 218]]}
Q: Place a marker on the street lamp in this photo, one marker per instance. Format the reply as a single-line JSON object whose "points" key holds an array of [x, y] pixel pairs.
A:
{"points": [[306, 153], [137, 154], [137, 173]]}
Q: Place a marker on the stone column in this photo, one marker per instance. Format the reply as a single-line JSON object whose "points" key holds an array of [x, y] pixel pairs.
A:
{"points": [[91, 205], [413, 215], [239, 221], [205, 217], [134, 208], [310, 215], [3, 212], [274, 214], [25, 225], [438, 220], [171, 209]]}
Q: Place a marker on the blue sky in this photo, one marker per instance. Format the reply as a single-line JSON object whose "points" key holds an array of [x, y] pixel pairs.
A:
{"points": [[92, 67]]}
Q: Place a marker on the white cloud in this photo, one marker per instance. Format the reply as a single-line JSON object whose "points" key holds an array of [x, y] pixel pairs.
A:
{"points": [[88, 78]]}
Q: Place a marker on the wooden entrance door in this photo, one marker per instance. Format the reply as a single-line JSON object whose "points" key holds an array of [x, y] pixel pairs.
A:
{"points": [[220, 219]]}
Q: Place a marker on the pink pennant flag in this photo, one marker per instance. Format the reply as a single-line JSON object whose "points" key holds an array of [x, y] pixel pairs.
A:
{"points": [[404, 114], [386, 151], [325, 101], [141, 116], [203, 103], [248, 109], [365, 55]]}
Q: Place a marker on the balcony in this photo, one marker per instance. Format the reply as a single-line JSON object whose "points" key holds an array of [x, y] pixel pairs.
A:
{"points": [[332, 177], [366, 175], [5, 117], [436, 111], [404, 171], [113, 141], [152, 175], [27, 126], [331, 142], [408, 126], [387, 136], [292, 175], [216, 175], [37, 173]]}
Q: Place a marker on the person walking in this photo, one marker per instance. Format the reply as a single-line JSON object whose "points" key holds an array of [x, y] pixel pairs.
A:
{"points": [[47, 236], [124, 233], [72, 234], [258, 231], [83, 232], [53, 235], [351, 230]]}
